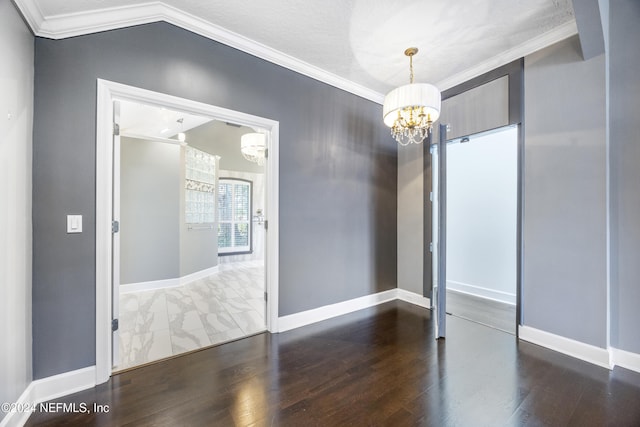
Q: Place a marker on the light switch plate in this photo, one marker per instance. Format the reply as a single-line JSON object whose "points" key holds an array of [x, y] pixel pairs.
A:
{"points": [[74, 223]]}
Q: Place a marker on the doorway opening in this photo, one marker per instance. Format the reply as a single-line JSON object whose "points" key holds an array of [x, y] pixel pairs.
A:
{"points": [[190, 244], [183, 256], [482, 227]]}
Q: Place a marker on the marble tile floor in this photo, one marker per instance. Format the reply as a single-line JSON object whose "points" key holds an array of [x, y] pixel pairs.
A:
{"points": [[222, 307]]}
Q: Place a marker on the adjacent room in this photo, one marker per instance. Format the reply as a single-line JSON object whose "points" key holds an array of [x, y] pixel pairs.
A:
{"points": [[336, 213], [190, 246], [482, 213]]}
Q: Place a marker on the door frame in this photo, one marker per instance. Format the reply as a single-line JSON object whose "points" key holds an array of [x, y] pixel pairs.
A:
{"points": [[515, 71], [107, 92], [440, 232]]}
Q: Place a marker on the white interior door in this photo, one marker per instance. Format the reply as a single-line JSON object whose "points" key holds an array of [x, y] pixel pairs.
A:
{"points": [[439, 206], [115, 263]]}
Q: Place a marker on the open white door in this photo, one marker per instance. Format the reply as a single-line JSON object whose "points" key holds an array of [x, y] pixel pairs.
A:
{"points": [[115, 228], [439, 206]]}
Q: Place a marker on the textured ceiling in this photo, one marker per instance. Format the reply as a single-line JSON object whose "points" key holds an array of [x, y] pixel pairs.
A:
{"points": [[363, 41]]}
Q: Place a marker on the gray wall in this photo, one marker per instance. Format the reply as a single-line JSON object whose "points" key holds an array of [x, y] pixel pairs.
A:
{"points": [[411, 199], [477, 110], [150, 182], [338, 172], [625, 173], [16, 98], [564, 282]]}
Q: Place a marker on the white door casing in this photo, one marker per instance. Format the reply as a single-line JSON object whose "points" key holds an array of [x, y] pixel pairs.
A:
{"points": [[115, 266], [107, 93]]}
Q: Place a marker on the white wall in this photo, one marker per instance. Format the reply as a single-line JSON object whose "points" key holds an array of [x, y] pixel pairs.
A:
{"points": [[16, 120], [482, 215], [150, 182]]}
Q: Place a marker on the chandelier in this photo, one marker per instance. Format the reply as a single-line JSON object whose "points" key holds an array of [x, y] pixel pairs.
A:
{"points": [[253, 147], [410, 110]]}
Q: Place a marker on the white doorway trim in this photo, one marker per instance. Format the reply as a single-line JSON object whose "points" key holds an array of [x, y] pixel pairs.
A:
{"points": [[107, 92]]}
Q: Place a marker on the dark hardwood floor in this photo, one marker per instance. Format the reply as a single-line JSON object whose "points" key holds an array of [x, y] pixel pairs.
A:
{"points": [[379, 366]]}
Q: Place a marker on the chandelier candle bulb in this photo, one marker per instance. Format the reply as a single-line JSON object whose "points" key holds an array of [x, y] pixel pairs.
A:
{"points": [[411, 110]]}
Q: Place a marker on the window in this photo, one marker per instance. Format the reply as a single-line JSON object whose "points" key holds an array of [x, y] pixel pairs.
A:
{"points": [[234, 215]]}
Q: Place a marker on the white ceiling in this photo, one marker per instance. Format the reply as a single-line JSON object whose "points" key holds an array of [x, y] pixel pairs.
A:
{"points": [[155, 122], [356, 45]]}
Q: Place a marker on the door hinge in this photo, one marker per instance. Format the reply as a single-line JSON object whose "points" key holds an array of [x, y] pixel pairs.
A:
{"points": [[266, 153], [266, 296], [430, 246], [431, 196], [266, 224], [115, 226], [116, 129], [114, 325]]}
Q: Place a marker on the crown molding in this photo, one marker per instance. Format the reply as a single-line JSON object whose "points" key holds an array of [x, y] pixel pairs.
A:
{"points": [[527, 48], [88, 22]]}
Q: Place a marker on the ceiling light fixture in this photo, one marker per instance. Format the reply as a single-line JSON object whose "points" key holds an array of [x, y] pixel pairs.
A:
{"points": [[254, 147], [410, 110], [182, 137]]}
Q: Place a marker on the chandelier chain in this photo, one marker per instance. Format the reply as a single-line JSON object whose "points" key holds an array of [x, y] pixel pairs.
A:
{"points": [[410, 68]]}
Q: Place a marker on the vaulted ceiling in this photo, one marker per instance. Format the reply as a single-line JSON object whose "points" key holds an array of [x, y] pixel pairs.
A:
{"points": [[356, 45]]}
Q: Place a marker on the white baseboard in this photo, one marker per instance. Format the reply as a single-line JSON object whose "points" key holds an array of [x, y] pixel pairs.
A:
{"points": [[198, 275], [413, 298], [64, 384], [588, 353], [481, 292], [297, 320], [625, 359], [167, 283], [50, 388], [151, 285], [18, 419]]}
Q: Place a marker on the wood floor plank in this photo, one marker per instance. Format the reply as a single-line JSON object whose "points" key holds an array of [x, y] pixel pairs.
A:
{"points": [[379, 366]]}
